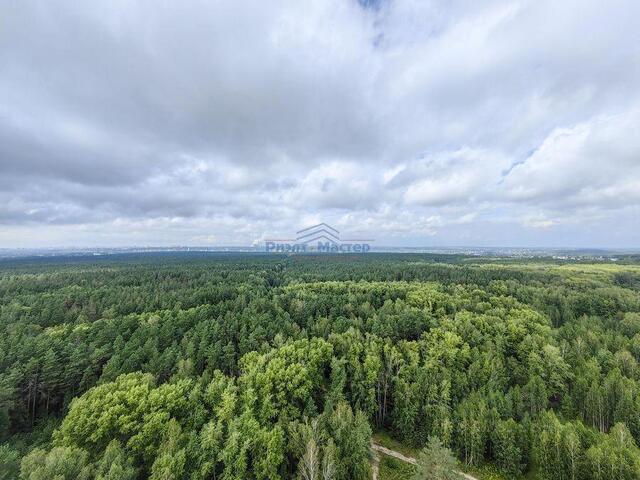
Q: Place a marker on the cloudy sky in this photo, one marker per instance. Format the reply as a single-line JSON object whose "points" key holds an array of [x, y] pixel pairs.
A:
{"points": [[415, 122]]}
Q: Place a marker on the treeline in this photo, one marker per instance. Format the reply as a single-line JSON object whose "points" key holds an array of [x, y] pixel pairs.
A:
{"points": [[272, 367]]}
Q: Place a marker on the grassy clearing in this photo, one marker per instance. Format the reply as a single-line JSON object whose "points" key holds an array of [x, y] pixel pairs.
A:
{"points": [[486, 472], [386, 440], [394, 469]]}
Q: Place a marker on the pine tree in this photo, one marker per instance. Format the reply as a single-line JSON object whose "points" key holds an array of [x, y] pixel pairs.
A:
{"points": [[436, 462]]}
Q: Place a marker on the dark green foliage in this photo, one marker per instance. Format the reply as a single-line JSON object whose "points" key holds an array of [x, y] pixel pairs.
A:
{"points": [[394, 469], [9, 463], [274, 367]]}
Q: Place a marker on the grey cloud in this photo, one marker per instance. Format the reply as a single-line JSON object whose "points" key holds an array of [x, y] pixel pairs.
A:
{"points": [[417, 120]]}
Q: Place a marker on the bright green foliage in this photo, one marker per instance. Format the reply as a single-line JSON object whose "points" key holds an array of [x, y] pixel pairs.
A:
{"points": [[572, 451], [507, 451], [115, 464], [273, 367], [351, 435], [548, 446], [252, 452], [614, 457], [472, 429], [535, 396], [131, 408], [285, 382], [60, 463], [171, 457]]}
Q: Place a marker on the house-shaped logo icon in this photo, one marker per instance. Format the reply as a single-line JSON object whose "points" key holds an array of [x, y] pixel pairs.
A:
{"points": [[319, 232], [321, 237]]}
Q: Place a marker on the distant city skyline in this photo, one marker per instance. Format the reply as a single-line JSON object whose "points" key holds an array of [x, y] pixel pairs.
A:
{"points": [[419, 124]]}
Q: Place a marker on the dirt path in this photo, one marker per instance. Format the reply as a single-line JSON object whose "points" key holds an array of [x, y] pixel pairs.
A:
{"points": [[378, 449], [392, 453], [375, 465]]}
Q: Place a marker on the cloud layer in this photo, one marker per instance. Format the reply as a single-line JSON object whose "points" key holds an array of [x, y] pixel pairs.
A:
{"points": [[415, 122]]}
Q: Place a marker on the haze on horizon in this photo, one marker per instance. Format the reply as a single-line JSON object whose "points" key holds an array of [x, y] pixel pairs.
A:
{"points": [[417, 123]]}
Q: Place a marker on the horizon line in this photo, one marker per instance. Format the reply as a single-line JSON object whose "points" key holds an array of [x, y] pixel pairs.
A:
{"points": [[254, 246]]}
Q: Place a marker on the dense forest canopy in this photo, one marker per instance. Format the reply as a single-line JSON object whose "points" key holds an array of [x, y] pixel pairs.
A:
{"points": [[228, 366]]}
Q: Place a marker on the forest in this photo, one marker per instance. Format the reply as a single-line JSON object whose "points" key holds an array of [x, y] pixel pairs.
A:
{"points": [[267, 366]]}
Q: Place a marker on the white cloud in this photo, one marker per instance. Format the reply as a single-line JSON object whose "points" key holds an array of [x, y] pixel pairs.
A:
{"points": [[416, 121], [596, 162], [463, 176]]}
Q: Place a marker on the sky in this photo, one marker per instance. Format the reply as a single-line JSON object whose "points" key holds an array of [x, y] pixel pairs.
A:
{"points": [[412, 122]]}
